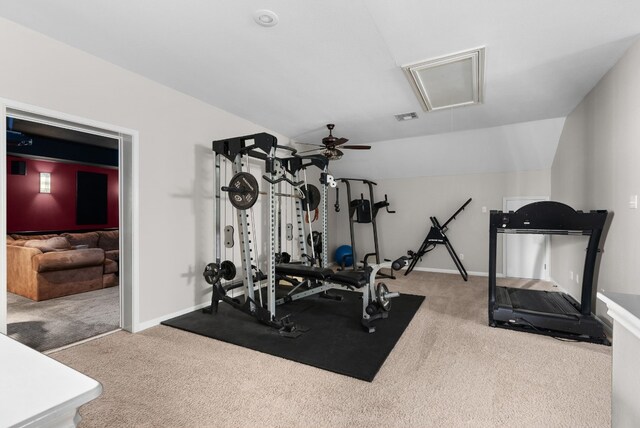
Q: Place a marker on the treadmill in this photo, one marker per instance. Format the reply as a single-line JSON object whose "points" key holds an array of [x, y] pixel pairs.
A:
{"points": [[547, 312]]}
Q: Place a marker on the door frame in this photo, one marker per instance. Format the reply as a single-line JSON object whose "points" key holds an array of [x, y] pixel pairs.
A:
{"points": [[128, 200], [547, 250]]}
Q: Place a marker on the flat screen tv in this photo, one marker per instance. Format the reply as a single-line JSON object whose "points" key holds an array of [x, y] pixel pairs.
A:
{"points": [[91, 199]]}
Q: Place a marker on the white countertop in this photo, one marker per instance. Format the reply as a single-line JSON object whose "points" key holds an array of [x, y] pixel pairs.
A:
{"points": [[34, 386], [623, 308]]}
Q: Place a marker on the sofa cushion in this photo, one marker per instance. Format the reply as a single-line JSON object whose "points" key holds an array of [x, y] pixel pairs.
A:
{"points": [[109, 280], [65, 260], [86, 238], [109, 239], [30, 237], [110, 266], [112, 255], [47, 245]]}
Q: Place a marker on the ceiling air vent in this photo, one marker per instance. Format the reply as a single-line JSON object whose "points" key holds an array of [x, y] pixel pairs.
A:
{"points": [[450, 81], [406, 116]]}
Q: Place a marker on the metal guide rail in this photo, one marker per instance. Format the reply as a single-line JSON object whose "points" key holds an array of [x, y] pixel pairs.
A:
{"points": [[543, 312]]}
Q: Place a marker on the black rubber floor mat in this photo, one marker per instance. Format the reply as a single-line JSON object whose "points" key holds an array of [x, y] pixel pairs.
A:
{"points": [[335, 341]]}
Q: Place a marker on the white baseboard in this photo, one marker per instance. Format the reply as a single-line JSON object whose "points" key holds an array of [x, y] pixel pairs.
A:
{"points": [[557, 284], [156, 321], [455, 271]]}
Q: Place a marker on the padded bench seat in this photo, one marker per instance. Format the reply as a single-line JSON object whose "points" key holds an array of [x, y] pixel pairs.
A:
{"points": [[356, 279], [292, 269], [350, 278]]}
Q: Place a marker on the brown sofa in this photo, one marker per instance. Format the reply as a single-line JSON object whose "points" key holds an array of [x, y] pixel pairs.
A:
{"points": [[42, 267]]}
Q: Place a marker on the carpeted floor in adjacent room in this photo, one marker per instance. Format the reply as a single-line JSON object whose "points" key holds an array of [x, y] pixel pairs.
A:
{"points": [[54, 323], [449, 369]]}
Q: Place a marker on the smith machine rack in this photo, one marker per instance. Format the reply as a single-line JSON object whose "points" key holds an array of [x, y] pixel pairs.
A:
{"points": [[436, 236], [547, 312], [243, 194]]}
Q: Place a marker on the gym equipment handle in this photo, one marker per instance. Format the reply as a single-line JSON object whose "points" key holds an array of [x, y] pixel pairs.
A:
{"points": [[278, 180], [400, 263]]}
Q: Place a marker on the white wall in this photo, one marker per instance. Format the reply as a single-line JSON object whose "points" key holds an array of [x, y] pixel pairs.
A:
{"points": [[415, 200], [596, 167], [175, 154], [526, 146]]}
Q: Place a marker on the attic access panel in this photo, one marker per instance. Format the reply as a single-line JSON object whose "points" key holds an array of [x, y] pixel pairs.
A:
{"points": [[449, 81]]}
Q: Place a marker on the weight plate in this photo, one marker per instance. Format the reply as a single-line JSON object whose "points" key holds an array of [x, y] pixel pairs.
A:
{"points": [[381, 296], [310, 197], [228, 270], [316, 242], [210, 273], [247, 191]]}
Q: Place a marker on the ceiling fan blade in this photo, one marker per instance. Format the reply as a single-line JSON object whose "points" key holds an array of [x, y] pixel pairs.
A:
{"points": [[356, 147], [309, 144], [311, 150], [340, 141]]}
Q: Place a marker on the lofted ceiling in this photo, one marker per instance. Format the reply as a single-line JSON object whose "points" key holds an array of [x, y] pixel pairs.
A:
{"points": [[336, 61]]}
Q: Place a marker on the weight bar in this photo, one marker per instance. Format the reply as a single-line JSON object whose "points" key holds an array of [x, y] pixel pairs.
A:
{"points": [[243, 191]]}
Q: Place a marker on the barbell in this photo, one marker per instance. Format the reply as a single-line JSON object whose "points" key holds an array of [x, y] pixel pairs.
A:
{"points": [[243, 192]]}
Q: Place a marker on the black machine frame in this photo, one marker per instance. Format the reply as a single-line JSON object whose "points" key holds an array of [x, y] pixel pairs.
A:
{"points": [[315, 279], [368, 209], [436, 236], [548, 312]]}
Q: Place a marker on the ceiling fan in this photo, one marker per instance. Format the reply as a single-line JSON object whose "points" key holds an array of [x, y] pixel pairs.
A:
{"points": [[330, 144]]}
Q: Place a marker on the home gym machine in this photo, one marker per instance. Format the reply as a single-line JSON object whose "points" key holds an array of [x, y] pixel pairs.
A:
{"points": [[436, 236], [363, 211], [547, 312], [260, 298]]}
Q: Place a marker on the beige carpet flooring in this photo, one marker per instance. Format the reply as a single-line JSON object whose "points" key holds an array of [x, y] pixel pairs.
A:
{"points": [[449, 369]]}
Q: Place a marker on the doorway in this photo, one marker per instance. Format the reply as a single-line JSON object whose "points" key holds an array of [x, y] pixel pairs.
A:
{"points": [[127, 195], [525, 256]]}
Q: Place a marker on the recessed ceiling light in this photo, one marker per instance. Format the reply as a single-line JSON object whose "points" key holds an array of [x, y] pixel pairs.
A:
{"points": [[265, 17], [406, 116], [449, 81]]}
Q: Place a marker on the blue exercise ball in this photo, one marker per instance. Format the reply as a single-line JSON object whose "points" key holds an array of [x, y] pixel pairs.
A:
{"points": [[344, 254]]}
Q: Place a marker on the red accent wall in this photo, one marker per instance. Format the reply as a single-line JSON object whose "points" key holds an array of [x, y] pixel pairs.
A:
{"points": [[29, 210]]}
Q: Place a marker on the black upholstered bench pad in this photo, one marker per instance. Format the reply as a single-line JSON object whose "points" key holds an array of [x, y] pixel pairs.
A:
{"points": [[355, 279], [303, 271]]}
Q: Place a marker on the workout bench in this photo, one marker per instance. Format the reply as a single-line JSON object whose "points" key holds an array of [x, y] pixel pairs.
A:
{"points": [[375, 298]]}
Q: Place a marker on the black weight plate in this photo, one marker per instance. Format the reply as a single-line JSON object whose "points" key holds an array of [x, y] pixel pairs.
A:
{"points": [[228, 270], [248, 194], [310, 197], [317, 236], [210, 273], [381, 296]]}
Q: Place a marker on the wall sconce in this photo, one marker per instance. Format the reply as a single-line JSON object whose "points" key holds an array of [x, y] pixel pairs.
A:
{"points": [[45, 182]]}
